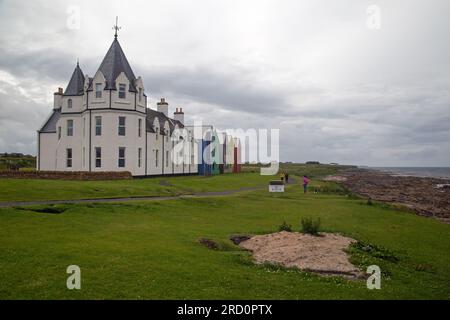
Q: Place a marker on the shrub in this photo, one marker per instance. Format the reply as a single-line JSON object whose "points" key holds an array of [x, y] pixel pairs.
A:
{"points": [[285, 227], [311, 226], [369, 202], [376, 251], [209, 243]]}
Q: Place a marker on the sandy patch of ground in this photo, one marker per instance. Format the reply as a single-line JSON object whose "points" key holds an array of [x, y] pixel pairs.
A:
{"points": [[324, 254]]}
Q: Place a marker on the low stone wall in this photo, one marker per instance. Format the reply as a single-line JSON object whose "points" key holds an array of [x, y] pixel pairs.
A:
{"points": [[67, 175]]}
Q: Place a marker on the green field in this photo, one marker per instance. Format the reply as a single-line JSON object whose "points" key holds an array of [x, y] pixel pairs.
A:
{"points": [[35, 189], [150, 250], [20, 161]]}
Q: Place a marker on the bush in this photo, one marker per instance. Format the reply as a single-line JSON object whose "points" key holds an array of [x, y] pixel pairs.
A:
{"points": [[311, 226], [285, 227], [376, 251], [369, 202]]}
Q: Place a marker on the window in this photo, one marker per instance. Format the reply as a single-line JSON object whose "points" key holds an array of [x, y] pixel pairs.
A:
{"points": [[167, 158], [121, 157], [139, 127], [140, 94], [121, 126], [98, 157], [167, 136], [69, 157], [69, 103], [98, 125], [69, 128], [122, 89], [139, 157], [59, 133], [157, 133], [98, 90], [156, 157]]}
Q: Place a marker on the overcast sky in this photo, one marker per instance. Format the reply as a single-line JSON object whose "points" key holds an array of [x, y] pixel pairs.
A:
{"points": [[340, 84]]}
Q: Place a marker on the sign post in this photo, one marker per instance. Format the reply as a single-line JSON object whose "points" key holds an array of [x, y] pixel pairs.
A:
{"points": [[276, 186]]}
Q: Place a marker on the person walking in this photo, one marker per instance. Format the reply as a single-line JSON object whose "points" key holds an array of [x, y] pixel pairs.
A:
{"points": [[282, 176], [305, 183]]}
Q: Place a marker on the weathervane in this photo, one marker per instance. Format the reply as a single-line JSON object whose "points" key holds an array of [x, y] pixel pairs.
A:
{"points": [[116, 28]]}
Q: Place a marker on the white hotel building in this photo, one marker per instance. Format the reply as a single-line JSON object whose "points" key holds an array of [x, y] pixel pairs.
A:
{"points": [[103, 124]]}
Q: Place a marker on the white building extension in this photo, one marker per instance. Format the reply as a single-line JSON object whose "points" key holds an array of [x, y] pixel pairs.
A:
{"points": [[103, 124]]}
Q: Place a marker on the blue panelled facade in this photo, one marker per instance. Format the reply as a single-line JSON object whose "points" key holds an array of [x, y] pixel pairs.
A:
{"points": [[204, 166]]}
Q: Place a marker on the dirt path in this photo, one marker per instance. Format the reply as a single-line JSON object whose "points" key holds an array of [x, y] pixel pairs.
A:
{"points": [[127, 199]]}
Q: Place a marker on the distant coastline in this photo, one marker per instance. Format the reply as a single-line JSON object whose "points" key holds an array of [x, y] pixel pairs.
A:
{"points": [[422, 172]]}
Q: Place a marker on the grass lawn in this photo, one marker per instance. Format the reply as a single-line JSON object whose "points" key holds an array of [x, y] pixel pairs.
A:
{"points": [[36, 189], [150, 250]]}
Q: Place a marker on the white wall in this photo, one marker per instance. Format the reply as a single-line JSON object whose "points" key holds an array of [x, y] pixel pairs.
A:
{"points": [[47, 145], [74, 142], [152, 146], [110, 141]]}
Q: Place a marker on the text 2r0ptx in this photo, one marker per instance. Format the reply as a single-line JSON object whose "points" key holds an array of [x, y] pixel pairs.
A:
{"points": [[253, 309]]}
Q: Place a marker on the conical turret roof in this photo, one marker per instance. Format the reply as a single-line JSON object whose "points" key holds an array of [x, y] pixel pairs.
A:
{"points": [[76, 83], [113, 64]]}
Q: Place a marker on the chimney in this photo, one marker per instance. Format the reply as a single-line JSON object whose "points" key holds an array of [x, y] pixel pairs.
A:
{"points": [[57, 98], [179, 115], [163, 106]]}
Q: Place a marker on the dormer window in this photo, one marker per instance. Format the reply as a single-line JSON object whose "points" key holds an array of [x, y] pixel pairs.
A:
{"points": [[69, 103], [140, 94], [98, 90], [122, 90]]}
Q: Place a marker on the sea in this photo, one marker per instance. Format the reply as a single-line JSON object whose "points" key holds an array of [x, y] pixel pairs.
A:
{"points": [[434, 172]]}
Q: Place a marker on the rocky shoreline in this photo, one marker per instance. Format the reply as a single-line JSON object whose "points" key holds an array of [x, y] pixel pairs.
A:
{"points": [[428, 197]]}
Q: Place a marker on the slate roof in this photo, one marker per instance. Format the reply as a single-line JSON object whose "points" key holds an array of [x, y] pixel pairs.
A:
{"points": [[50, 125], [76, 83], [152, 114], [113, 64]]}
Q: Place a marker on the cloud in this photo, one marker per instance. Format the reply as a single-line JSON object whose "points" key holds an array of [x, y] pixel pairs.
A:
{"points": [[19, 120], [337, 91], [232, 91]]}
